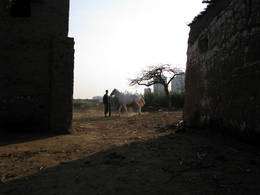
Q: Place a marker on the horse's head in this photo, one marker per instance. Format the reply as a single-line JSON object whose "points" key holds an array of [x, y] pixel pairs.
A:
{"points": [[113, 92]]}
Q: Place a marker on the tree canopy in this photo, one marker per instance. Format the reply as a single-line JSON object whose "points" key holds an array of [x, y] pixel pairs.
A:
{"points": [[156, 75]]}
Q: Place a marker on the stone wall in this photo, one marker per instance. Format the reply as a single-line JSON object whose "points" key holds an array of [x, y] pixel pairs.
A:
{"points": [[223, 68], [36, 61]]}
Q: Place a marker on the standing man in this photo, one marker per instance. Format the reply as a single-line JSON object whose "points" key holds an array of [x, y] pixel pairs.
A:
{"points": [[109, 106], [106, 103]]}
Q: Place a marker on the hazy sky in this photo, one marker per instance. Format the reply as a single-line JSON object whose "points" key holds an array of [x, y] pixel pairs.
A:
{"points": [[116, 39]]}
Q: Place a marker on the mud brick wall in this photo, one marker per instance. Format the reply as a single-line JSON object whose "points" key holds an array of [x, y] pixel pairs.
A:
{"points": [[223, 68], [36, 62]]}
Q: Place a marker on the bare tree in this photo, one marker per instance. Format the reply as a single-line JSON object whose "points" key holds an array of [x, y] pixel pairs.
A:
{"points": [[206, 1], [155, 75]]}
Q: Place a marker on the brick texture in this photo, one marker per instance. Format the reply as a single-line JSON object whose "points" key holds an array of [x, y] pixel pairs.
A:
{"points": [[223, 68], [36, 60]]}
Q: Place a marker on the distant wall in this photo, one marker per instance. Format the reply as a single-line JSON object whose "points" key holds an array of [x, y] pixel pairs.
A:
{"points": [[37, 60], [223, 68]]}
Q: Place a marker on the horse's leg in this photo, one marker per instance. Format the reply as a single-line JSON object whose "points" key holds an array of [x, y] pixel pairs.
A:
{"points": [[119, 110], [140, 108], [125, 109]]}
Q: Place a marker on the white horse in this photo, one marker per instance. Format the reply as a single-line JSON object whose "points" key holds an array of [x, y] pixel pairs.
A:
{"points": [[124, 99]]}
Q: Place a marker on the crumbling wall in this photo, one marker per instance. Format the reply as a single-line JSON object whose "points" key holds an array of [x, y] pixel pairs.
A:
{"points": [[223, 68], [36, 61]]}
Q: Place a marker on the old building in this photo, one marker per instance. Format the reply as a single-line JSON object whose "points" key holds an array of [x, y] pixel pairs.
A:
{"points": [[223, 68], [147, 91], [37, 59], [178, 83]]}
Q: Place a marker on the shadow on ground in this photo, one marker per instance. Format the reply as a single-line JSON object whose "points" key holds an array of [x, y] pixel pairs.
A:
{"points": [[15, 138], [179, 163]]}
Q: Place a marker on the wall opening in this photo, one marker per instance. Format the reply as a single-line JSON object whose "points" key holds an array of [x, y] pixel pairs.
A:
{"points": [[21, 8]]}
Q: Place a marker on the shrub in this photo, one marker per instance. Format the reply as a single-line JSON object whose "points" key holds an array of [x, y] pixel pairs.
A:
{"points": [[158, 100], [82, 104], [178, 99]]}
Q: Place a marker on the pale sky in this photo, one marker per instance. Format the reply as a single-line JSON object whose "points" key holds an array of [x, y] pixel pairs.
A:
{"points": [[116, 39]]}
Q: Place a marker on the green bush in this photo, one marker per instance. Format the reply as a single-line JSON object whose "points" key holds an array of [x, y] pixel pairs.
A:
{"points": [[159, 100], [178, 99], [155, 99], [82, 104]]}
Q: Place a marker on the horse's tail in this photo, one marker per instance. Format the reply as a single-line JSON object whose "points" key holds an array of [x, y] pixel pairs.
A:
{"points": [[142, 102]]}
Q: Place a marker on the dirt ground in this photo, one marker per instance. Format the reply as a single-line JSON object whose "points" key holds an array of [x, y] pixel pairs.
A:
{"points": [[147, 154]]}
